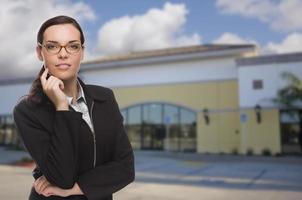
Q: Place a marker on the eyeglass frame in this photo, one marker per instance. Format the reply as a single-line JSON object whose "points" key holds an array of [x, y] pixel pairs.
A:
{"points": [[61, 46]]}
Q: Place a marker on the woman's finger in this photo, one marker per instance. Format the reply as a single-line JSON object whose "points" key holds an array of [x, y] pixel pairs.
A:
{"points": [[61, 84], [36, 185], [44, 185], [43, 77], [49, 82], [37, 182], [48, 191], [52, 190], [40, 183], [58, 84]]}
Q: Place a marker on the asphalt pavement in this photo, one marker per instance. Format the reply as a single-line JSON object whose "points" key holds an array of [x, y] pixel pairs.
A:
{"points": [[184, 176]]}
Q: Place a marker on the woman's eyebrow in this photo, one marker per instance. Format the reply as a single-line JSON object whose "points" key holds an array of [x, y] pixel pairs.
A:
{"points": [[71, 41], [52, 41]]}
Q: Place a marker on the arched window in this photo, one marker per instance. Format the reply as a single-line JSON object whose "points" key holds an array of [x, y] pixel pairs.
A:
{"points": [[160, 126]]}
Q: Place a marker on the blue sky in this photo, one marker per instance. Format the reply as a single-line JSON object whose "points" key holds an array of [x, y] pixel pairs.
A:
{"points": [[121, 26], [204, 17]]}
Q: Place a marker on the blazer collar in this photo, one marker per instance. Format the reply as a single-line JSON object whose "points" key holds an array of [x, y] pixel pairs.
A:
{"points": [[92, 92]]}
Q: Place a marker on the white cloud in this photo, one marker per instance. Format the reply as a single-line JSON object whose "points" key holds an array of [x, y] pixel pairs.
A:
{"points": [[20, 21], [231, 38], [280, 15], [157, 28], [292, 43]]}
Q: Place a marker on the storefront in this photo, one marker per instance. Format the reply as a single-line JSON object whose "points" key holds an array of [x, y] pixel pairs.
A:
{"points": [[205, 99]]}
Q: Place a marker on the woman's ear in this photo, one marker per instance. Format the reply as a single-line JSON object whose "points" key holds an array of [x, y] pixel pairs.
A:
{"points": [[39, 53]]}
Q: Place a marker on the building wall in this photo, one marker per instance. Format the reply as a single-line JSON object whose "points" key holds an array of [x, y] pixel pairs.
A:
{"points": [[260, 136], [265, 135], [10, 95], [214, 83], [172, 72], [221, 135], [220, 97], [270, 74]]}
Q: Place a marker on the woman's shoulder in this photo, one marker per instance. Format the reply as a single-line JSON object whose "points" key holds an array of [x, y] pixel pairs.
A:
{"points": [[25, 106], [27, 112], [22, 110], [100, 92], [22, 104]]}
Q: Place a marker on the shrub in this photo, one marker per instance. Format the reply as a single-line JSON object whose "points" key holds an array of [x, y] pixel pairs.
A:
{"points": [[26, 159], [266, 152], [235, 151], [250, 152]]}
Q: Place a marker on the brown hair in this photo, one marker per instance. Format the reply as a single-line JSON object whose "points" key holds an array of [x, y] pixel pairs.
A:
{"points": [[36, 95]]}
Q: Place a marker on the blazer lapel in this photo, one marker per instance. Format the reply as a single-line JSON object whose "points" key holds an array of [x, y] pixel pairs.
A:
{"points": [[91, 94]]}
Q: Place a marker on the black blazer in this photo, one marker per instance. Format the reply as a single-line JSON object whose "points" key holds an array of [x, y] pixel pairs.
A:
{"points": [[66, 150]]}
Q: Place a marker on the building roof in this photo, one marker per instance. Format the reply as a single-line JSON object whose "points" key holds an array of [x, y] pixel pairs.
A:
{"points": [[168, 55], [269, 59], [15, 81], [169, 52]]}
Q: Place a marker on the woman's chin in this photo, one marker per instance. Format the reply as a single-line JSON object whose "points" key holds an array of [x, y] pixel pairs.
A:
{"points": [[65, 76]]}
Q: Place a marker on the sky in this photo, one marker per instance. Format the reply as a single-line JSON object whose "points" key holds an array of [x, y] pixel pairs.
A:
{"points": [[117, 27]]}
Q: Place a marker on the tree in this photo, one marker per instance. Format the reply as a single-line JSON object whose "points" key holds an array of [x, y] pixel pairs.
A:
{"points": [[290, 96]]}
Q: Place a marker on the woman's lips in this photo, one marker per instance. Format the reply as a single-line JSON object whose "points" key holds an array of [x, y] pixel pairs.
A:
{"points": [[63, 65]]}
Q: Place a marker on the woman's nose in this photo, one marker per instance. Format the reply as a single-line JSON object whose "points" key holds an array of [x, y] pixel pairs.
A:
{"points": [[63, 53]]}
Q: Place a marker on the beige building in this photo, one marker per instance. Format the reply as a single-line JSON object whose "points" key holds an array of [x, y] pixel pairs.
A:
{"points": [[206, 99]]}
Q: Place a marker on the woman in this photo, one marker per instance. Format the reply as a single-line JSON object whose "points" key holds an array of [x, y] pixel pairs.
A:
{"points": [[73, 131]]}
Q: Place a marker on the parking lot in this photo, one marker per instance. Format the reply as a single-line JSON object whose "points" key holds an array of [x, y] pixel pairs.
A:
{"points": [[177, 176]]}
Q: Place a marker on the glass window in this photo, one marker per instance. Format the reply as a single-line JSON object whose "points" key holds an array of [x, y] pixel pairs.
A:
{"points": [[187, 116], [133, 125], [290, 131], [165, 126], [124, 114], [257, 84], [171, 114], [8, 132], [134, 115], [152, 113], [289, 117], [187, 130]]}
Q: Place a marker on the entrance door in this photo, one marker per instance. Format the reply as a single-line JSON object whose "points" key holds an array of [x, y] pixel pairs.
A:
{"points": [[152, 136], [290, 132]]}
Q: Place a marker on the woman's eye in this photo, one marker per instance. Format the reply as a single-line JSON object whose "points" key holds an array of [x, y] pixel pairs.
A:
{"points": [[51, 46], [75, 46]]}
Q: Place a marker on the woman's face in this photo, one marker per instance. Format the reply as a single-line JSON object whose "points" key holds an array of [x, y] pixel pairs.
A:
{"points": [[64, 64]]}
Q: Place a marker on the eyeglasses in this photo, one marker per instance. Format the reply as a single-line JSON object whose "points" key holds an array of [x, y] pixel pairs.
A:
{"points": [[55, 48]]}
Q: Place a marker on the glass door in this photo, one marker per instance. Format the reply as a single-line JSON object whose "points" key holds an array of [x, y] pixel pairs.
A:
{"points": [[152, 136], [290, 132]]}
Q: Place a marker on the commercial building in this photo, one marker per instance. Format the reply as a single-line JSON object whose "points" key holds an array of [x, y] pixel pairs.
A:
{"points": [[206, 99]]}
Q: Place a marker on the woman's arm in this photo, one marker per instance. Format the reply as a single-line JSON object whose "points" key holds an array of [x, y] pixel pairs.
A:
{"points": [[43, 187], [105, 179], [54, 151], [76, 190]]}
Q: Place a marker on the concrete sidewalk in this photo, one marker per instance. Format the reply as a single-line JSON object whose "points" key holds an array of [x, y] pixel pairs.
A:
{"points": [[184, 176], [162, 175]]}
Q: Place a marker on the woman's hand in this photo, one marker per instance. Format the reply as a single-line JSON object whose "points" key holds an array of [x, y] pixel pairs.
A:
{"points": [[43, 187], [41, 184], [53, 87], [56, 191]]}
